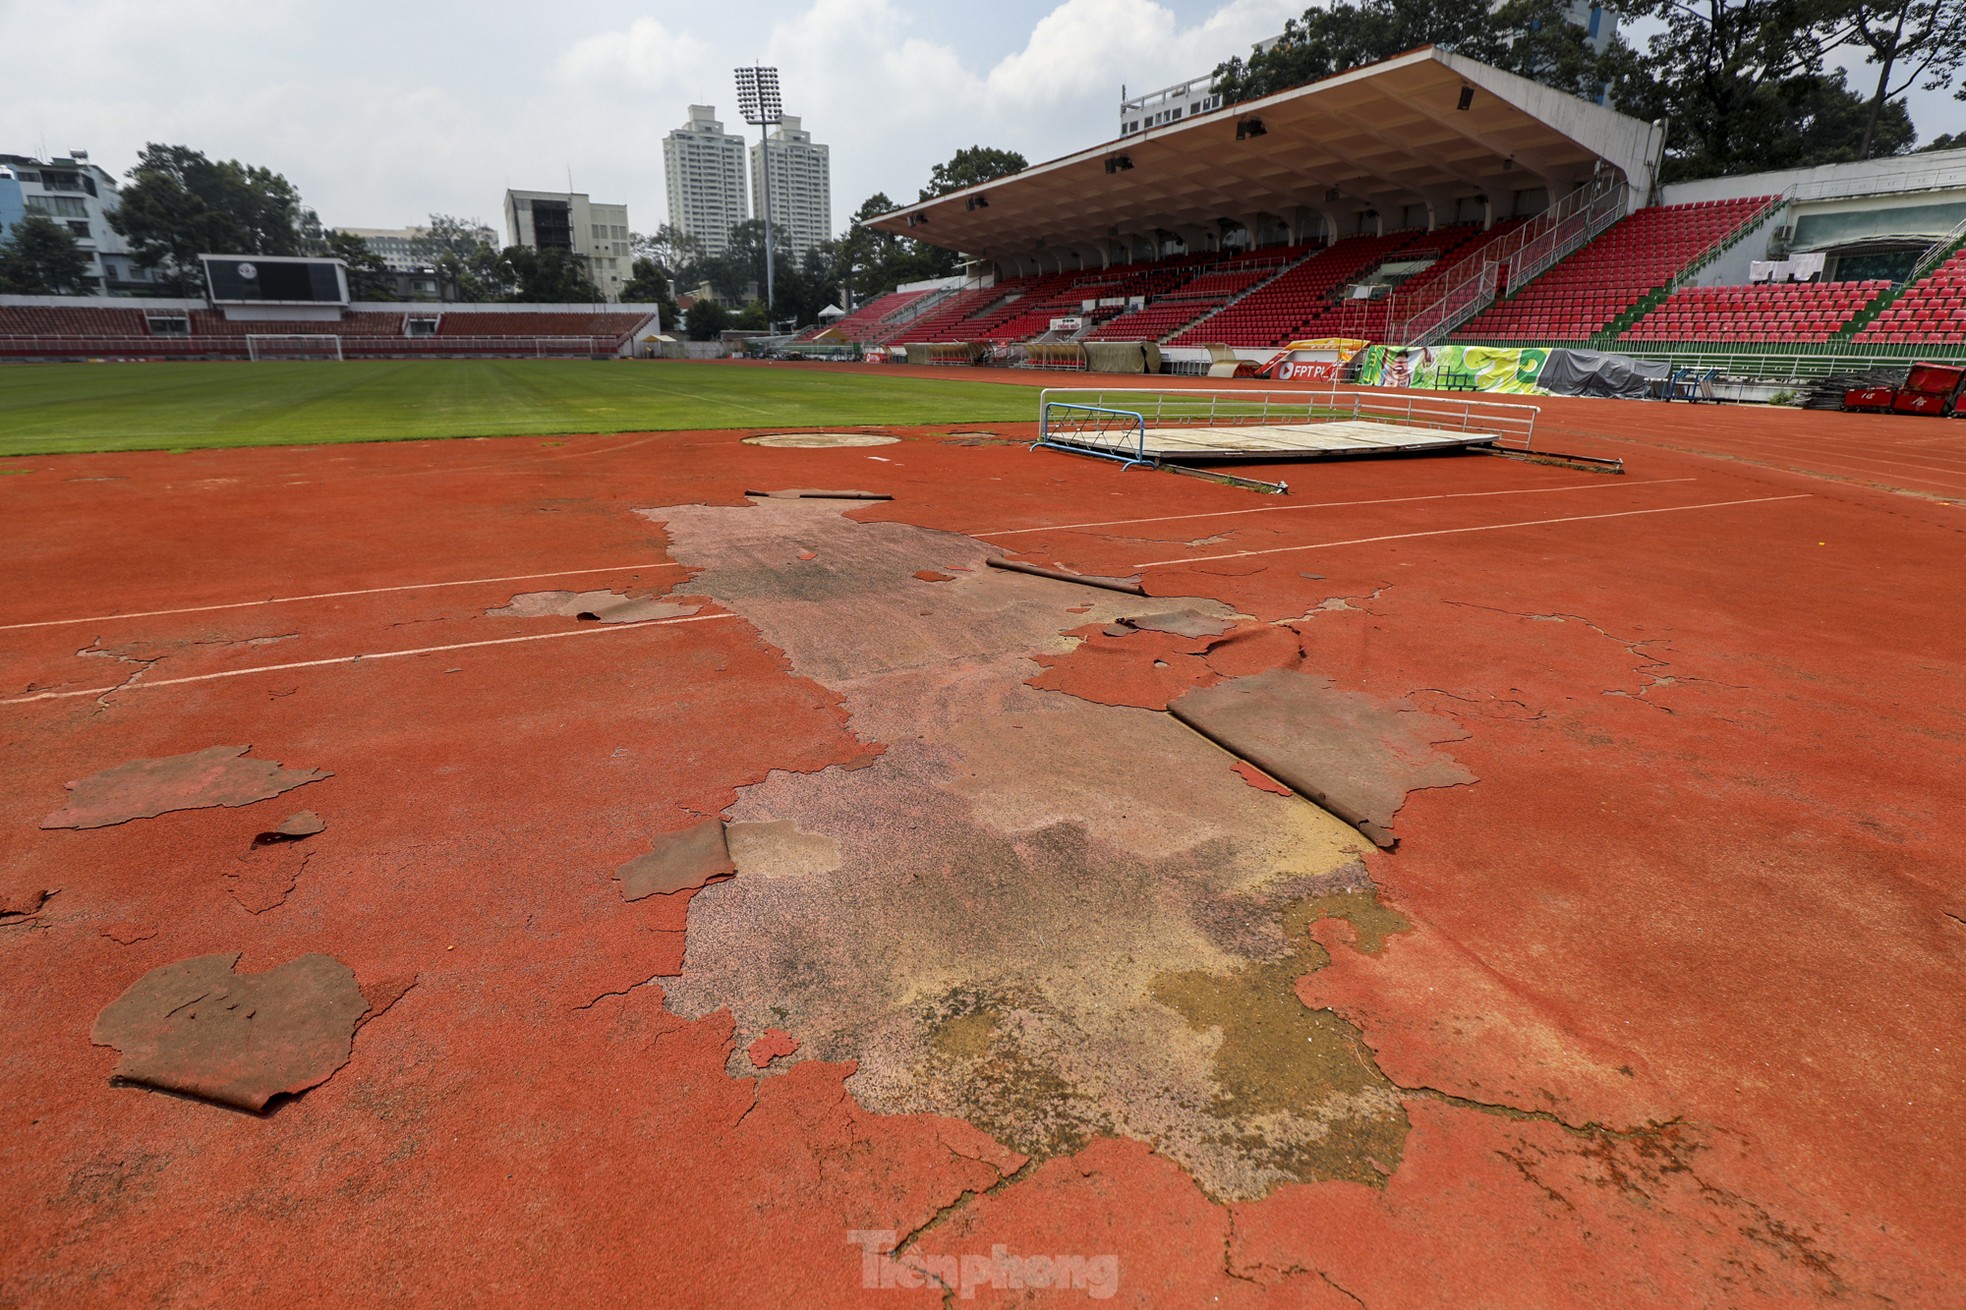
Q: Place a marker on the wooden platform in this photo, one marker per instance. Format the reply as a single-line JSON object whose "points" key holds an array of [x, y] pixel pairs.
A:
{"points": [[1337, 439]]}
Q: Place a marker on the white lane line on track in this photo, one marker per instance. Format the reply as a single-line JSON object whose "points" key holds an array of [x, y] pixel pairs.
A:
{"points": [[1483, 527], [333, 595], [1328, 504], [374, 655]]}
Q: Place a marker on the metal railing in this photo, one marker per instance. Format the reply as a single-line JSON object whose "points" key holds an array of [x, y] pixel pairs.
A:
{"points": [[1558, 231], [1930, 179], [1092, 430], [1509, 424], [1936, 253]]}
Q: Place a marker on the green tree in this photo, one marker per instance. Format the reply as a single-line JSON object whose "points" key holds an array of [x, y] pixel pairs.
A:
{"points": [[649, 285], [465, 256], [179, 205], [873, 263], [368, 276], [1945, 141], [972, 167], [546, 276], [705, 319], [675, 252], [1744, 86], [41, 257], [1531, 37], [738, 273], [1910, 43], [445, 234]]}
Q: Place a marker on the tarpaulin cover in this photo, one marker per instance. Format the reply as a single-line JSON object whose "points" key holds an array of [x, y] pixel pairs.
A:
{"points": [[1594, 373], [1508, 369]]}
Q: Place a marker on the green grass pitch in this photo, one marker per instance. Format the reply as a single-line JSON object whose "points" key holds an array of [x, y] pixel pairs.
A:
{"points": [[70, 408]]}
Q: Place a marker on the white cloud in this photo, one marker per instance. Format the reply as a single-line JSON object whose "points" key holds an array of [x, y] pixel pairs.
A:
{"points": [[646, 54], [382, 112]]}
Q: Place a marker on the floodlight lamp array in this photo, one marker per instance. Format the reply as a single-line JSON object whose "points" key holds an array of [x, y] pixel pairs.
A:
{"points": [[758, 100]]}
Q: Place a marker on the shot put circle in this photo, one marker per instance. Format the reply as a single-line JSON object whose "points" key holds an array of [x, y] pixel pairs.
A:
{"points": [[812, 440]]}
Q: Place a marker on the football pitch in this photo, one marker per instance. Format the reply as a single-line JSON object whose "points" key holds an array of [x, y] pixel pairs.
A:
{"points": [[73, 408]]}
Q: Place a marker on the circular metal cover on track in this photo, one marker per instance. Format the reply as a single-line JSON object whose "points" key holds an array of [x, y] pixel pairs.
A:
{"points": [[809, 440]]}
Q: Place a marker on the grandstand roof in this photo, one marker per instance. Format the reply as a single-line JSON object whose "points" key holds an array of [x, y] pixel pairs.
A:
{"points": [[1380, 137]]}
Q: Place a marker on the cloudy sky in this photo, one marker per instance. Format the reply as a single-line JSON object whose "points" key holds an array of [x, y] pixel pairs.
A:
{"points": [[384, 112]]}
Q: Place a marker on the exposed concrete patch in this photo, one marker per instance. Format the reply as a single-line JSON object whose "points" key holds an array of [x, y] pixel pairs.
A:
{"points": [[1298, 1084], [1015, 874], [819, 440], [680, 861], [197, 1028], [143, 789], [780, 850], [593, 606]]}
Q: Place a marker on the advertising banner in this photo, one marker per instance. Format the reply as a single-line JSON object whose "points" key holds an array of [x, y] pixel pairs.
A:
{"points": [[1508, 369]]}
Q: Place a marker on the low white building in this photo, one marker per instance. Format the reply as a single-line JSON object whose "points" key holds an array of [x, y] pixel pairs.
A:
{"points": [[80, 196]]}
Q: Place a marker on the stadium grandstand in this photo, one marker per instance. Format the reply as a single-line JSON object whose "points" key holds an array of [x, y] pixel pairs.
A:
{"points": [[266, 307], [1430, 200], [70, 327]]}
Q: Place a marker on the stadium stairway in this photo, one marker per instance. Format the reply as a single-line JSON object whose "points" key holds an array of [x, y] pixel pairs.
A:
{"points": [[1458, 250]]}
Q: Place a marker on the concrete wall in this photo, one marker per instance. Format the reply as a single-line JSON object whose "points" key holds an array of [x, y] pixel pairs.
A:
{"points": [[1937, 170]]}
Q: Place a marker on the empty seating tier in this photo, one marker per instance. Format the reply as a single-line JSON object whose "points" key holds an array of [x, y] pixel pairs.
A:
{"points": [[866, 323], [1780, 312], [1930, 310], [1273, 313], [1596, 284]]}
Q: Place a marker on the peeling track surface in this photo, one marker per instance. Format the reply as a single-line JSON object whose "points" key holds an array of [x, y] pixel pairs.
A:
{"points": [[1662, 1011]]}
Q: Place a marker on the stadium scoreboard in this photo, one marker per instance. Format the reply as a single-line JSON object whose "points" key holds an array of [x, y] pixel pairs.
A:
{"points": [[275, 280]]}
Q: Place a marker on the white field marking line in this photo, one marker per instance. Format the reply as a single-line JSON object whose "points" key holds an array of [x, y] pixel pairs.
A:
{"points": [[1328, 504], [375, 655], [1484, 527], [332, 595]]}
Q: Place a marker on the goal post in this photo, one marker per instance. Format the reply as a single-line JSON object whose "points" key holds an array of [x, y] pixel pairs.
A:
{"points": [[261, 346]]}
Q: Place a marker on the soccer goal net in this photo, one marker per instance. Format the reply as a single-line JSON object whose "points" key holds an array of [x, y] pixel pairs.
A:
{"points": [[306, 345]]}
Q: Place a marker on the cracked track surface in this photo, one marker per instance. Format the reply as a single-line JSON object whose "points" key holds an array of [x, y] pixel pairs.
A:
{"points": [[1015, 876], [1667, 1004]]}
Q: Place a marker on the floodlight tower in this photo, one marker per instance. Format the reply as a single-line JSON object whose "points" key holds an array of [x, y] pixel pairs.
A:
{"points": [[758, 103]]}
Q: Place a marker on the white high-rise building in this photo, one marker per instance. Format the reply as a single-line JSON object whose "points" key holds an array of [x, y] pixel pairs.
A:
{"points": [[567, 220], [704, 168], [801, 190]]}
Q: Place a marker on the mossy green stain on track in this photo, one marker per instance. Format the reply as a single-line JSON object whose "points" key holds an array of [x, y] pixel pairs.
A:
{"points": [[74, 408]]}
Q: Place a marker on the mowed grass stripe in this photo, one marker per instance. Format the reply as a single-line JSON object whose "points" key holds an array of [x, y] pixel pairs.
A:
{"points": [[74, 408]]}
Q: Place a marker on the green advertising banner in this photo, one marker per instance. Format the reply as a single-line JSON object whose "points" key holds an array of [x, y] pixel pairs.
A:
{"points": [[1508, 369]]}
